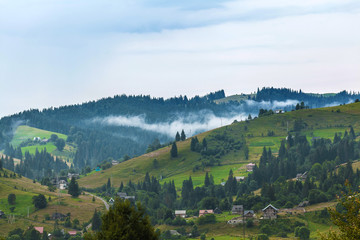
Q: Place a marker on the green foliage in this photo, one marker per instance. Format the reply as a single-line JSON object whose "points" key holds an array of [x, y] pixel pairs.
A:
{"points": [[39, 201], [73, 188], [348, 220], [11, 198], [302, 232], [126, 222], [262, 237], [174, 151], [206, 219], [60, 144], [183, 136], [96, 221], [177, 137]]}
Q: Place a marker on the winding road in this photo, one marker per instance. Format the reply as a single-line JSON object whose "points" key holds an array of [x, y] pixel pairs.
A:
{"points": [[105, 203]]}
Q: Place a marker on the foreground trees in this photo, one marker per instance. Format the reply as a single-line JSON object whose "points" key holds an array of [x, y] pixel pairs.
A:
{"points": [[347, 219], [125, 222]]}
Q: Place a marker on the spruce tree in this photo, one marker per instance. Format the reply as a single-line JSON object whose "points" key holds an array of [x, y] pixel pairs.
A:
{"points": [[96, 221], [183, 136], [73, 188], [177, 137], [174, 152], [207, 180], [204, 144]]}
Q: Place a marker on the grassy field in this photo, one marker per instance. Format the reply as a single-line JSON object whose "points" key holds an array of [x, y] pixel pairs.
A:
{"points": [[81, 208], [23, 133], [323, 122]]}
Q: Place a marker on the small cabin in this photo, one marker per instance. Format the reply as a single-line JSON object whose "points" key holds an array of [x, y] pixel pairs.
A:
{"points": [[180, 213], [204, 212], [237, 209], [240, 179], [39, 229], [2, 214], [111, 201], [270, 212], [250, 167], [249, 214]]}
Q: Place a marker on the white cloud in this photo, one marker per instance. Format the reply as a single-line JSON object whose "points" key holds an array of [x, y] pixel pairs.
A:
{"points": [[190, 124]]}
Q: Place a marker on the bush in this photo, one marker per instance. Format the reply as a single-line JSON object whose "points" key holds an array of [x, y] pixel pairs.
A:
{"points": [[208, 218], [262, 237], [11, 198], [249, 223], [266, 229], [40, 201], [302, 232]]}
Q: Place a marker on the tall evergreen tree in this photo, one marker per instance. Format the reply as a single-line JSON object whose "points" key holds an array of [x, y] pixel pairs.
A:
{"points": [[204, 144], [174, 151], [73, 188], [177, 137], [207, 180], [183, 136], [96, 221]]}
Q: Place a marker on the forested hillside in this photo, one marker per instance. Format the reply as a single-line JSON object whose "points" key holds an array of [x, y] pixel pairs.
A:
{"points": [[320, 145], [123, 126]]}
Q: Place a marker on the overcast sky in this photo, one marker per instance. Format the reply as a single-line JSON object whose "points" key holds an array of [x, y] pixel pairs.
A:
{"points": [[57, 52]]}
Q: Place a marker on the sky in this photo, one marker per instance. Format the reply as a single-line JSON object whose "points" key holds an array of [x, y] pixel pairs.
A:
{"points": [[59, 52]]}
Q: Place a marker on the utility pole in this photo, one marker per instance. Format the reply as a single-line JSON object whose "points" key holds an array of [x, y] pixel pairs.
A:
{"points": [[243, 221]]}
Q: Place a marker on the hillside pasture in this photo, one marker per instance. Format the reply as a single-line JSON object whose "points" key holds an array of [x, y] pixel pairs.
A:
{"points": [[23, 133], [323, 122]]}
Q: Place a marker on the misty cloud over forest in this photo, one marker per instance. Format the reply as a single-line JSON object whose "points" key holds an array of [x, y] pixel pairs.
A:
{"points": [[194, 122]]}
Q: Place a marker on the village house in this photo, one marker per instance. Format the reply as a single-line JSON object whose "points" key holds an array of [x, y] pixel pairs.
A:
{"points": [[250, 167], [279, 111], [114, 162], [217, 211], [124, 196], [270, 212], [39, 229], [72, 233], [240, 179], [237, 209], [249, 214], [204, 212], [2, 214], [301, 176], [111, 201], [71, 175], [180, 213], [63, 184], [121, 194]]}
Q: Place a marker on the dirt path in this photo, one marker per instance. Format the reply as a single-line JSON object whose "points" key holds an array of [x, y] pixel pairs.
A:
{"points": [[105, 203]]}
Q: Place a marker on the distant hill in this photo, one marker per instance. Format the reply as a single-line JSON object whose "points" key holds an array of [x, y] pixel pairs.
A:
{"points": [[227, 146], [123, 126]]}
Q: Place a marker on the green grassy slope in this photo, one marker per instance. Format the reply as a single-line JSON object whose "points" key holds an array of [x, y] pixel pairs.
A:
{"points": [[23, 133], [323, 122], [81, 208]]}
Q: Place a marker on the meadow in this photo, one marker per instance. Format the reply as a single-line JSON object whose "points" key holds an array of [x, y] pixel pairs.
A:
{"points": [[323, 122]]}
